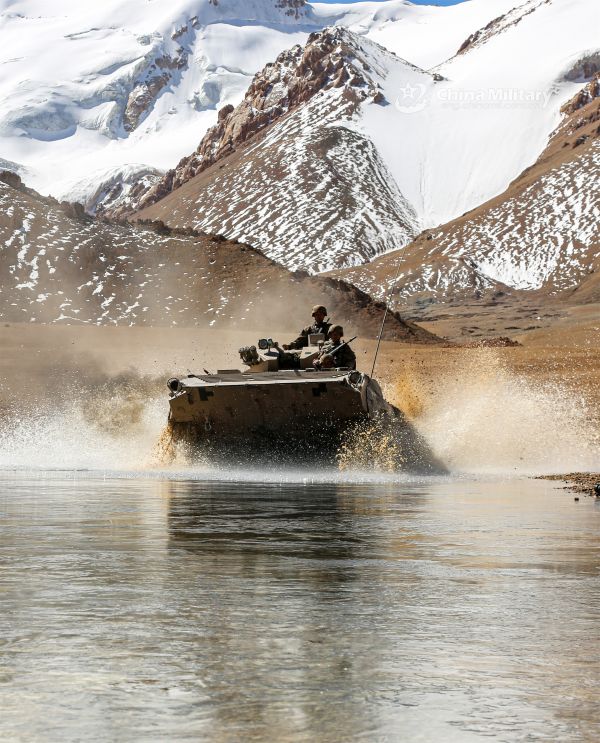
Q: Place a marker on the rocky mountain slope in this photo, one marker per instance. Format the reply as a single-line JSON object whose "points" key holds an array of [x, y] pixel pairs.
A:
{"points": [[541, 236], [289, 170], [331, 60], [58, 265]]}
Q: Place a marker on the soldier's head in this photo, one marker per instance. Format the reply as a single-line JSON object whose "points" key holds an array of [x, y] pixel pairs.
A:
{"points": [[335, 333], [319, 313]]}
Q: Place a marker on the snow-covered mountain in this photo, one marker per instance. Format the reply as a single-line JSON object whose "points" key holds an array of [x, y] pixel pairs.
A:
{"points": [[91, 91], [364, 164], [88, 88], [541, 235], [453, 143], [495, 110], [439, 109]]}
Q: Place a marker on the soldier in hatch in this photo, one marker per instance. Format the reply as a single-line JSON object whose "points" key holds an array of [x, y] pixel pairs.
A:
{"points": [[330, 358], [319, 325]]}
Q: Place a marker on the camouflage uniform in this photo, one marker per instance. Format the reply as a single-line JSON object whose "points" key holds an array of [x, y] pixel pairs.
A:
{"points": [[302, 340], [345, 357]]}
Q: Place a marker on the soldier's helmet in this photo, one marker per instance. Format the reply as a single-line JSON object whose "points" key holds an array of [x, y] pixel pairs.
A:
{"points": [[336, 328], [319, 308]]}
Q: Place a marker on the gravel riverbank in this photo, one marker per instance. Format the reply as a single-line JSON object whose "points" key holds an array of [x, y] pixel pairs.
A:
{"points": [[578, 482]]}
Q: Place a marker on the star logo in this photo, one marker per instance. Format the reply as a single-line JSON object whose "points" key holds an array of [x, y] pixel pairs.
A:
{"points": [[408, 92], [412, 98]]}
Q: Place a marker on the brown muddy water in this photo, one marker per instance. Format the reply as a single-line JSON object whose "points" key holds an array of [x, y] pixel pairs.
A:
{"points": [[222, 608]]}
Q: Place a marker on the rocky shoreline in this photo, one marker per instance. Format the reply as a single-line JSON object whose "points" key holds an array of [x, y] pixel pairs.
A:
{"points": [[578, 482]]}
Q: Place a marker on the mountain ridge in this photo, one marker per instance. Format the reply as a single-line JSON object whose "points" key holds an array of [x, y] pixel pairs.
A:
{"points": [[541, 236], [58, 265], [94, 92], [335, 185]]}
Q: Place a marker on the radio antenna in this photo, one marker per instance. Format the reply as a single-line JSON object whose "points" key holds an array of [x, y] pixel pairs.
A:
{"points": [[387, 308]]}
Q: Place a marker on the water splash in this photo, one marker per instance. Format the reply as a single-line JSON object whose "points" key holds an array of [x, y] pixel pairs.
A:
{"points": [[479, 416], [104, 422]]}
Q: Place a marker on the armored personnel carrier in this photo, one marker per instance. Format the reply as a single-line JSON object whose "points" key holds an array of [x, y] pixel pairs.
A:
{"points": [[279, 407]]}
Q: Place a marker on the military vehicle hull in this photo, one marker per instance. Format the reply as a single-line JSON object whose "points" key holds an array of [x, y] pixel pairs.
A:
{"points": [[285, 415], [282, 410]]}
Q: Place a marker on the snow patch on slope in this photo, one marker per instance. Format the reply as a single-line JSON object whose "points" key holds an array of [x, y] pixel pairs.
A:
{"points": [[548, 233], [544, 237], [460, 140]]}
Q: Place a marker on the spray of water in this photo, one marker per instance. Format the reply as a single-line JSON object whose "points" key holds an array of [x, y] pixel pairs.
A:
{"points": [[482, 417], [102, 422], [479, 418]]}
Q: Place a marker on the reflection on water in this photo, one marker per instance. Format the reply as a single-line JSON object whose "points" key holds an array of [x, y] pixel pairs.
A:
{"points": [[433, 610]]}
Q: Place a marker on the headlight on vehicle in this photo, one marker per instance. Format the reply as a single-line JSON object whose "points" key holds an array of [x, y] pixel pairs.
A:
{"points": [[174, 384]]}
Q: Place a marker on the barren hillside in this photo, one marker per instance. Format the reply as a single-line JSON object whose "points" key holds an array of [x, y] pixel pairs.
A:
{"points": [[58, 265]]}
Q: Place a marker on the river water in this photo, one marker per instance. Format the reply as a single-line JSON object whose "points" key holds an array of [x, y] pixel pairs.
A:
{"points": [[325, 609]]}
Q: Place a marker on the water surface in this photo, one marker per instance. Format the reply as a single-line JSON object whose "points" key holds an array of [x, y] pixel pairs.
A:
{"points": [[154, 609]]}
